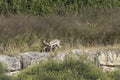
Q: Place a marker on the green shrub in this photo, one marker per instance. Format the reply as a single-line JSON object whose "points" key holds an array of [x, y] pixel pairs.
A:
{"points": [[115, 75], [2, 74], [43, 7], [67, 70], [2, 70], [5, 77]]}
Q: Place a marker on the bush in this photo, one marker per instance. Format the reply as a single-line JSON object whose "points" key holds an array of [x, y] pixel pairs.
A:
{"points": [[2, 70], [68, 70], [5, 77], [43, 7], [2, 74], [115, 75]]}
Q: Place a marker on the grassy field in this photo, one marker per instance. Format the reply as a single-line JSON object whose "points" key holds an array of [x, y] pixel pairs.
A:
{"points": [[92, 27], [24, 24]]}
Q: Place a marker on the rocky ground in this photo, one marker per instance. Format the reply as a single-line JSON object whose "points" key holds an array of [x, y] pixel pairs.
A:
{"points": [[107, 59]]}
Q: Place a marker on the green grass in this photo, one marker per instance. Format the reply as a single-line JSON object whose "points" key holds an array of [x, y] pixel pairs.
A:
{"points": [[2, 70], [2, 74], [115, 75], [66, 70]]}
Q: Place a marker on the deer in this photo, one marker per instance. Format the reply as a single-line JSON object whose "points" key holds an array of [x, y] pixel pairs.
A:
{"points": [[52, 45]]}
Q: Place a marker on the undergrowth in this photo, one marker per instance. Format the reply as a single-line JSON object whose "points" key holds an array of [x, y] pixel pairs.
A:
{"points": [[69, 69], [66, 70], [3, 76], [46, 7]]}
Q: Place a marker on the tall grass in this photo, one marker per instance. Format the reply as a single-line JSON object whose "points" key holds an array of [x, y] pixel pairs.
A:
{"points": [[19, 33]]}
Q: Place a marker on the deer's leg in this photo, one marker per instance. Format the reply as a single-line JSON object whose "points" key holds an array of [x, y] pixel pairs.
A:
{"points": [[54, 48], [44, 49], [51, 48]]}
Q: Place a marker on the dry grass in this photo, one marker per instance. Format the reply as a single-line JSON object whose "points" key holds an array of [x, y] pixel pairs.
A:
{"points": [[20, 33]]}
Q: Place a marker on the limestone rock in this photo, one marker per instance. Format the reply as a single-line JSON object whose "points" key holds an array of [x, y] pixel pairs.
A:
{"points": [[107, 68], [12, 63], [60, 56], [13, 73], [31, 58], [106, 59], [109, 58], [78, 51]]}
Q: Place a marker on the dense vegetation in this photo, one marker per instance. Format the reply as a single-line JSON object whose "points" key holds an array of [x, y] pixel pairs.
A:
{"points": [[66, 70], [3, 76], [43, 7]]}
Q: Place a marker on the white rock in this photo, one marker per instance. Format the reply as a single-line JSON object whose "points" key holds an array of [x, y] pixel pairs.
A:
{"points": [[60, 56], [109, 58], [31, 58], [77, 51], [107, 68], [13, 73], [12, 63]]}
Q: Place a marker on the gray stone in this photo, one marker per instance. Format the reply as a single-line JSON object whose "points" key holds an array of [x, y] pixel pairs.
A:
{"points": [[107, 68], [109, 58], [13, 73], [31, 58], [78, 51], [12, 63], [60, 56], [106, 59]]}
